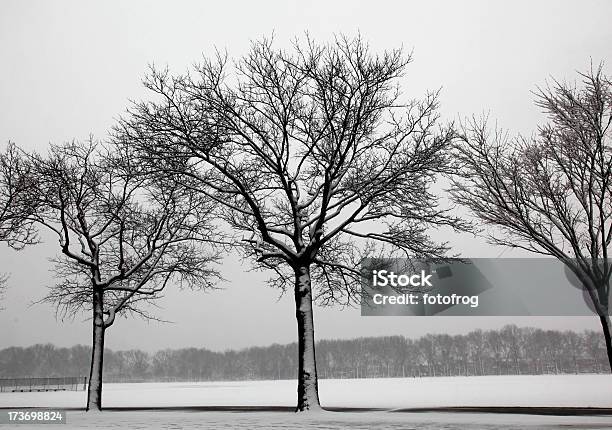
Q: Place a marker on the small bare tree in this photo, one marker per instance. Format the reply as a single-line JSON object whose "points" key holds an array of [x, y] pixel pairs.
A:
{"points": [[123, 238], [552, 193], [16, 204], [314, 158]]}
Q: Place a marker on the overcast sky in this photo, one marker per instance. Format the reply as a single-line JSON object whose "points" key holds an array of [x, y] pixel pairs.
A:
{"points": [[68, 69]]}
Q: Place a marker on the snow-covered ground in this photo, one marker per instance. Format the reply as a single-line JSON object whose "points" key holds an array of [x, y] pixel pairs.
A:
{"points": [[388, 394], [325, 420], [541, 390]]}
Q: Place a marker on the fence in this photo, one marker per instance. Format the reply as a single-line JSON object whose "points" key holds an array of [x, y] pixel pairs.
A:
{"points": [[68, 383]]}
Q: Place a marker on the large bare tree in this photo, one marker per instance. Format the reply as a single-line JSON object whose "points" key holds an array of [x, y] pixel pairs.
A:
{"points": [[315, 157], [16, 205], [551, 193], [123, 238]]}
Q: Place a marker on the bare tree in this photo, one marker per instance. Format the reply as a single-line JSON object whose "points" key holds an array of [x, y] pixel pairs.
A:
{"points": [[315, 158], [123, 238], [16, 204], [551, 193]]}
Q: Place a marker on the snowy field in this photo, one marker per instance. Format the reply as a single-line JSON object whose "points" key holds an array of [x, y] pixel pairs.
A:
{"points": [[324, 420], [392, 393], [200, 405]]}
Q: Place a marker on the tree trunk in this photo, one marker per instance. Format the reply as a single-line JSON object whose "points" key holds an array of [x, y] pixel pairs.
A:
{"points": [[308, 386], [607, 329], [94, 392]]}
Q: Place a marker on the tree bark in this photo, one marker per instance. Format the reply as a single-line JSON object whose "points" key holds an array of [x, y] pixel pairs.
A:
{"points": [[94, 391], [308, 386], [607, 329]]}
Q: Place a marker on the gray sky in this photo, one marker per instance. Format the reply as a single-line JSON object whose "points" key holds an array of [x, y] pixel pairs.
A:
{"points": [[68, 68]]}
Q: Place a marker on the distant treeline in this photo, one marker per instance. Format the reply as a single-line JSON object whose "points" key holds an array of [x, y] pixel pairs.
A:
{"points": [[510, 350]]}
